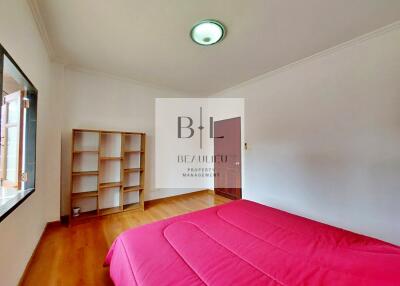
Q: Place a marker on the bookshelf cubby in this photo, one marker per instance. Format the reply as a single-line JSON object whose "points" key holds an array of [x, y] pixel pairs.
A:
{"points": [[107, 172]]}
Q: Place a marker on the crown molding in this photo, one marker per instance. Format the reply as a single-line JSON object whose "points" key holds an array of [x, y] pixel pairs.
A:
{"points": [[126, 79], [324, 53], [33, 4]]}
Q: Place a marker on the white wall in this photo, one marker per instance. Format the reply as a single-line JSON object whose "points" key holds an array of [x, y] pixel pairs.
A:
{"points": [[324, 136], [20, 231], [98, 101]]}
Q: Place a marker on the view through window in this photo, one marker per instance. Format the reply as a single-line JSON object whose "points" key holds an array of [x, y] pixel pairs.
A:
{"points": [[18, 133]]}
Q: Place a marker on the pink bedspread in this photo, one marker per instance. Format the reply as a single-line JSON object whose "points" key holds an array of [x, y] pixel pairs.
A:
{"points": [[245, 243]]}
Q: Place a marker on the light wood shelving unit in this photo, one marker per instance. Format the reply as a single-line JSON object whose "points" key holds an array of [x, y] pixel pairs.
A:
{"points": [[107, 172]]}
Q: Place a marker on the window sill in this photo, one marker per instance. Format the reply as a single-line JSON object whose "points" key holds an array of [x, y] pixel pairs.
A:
{"points": [[11, 199]]}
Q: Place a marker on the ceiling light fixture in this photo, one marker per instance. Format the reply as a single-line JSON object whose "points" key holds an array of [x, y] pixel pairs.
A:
{"points": [[207, 32]]}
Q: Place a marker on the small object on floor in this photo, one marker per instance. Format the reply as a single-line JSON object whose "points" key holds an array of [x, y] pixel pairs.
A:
{"points": [[76, 211]]}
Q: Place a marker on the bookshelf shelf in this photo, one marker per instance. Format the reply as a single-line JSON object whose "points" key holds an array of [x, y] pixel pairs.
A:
{"points": [[81, 195], [130, 170], [86, 151], [130, 207], [110, 185], [110, 158], [133, 151], [118, 183], [128, 189], [85, 173], [107, 211]]}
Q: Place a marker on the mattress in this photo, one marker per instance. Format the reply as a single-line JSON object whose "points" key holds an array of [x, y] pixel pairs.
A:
{"points": [[245, 243]]}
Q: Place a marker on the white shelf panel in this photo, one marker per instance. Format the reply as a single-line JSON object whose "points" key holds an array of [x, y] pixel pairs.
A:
{"points": [[110, 145], [86, 141], [132, 160], [110, 171], [85, 162], [132, 142], [109, 198], [131, 179], [132, 197], [82, 184]]}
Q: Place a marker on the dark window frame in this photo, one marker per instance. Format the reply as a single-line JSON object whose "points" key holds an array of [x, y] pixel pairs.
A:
{"points": [[13, 203]]}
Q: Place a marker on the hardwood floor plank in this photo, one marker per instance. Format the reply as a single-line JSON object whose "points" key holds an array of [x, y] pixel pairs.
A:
{"points": [[70, 256]]}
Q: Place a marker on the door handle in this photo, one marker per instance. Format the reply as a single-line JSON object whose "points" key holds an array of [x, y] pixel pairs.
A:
{"points": [[237, 163]]}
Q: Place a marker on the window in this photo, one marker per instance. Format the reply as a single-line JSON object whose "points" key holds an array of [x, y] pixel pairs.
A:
{"points": [[18, 135]]}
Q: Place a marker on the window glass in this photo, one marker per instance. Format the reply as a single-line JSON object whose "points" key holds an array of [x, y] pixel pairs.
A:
{"points": [[12, 154], [18, 115], [13, 112]]}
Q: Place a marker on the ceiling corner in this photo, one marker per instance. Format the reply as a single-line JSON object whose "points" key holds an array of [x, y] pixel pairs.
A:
{"points": [[33, 4]]}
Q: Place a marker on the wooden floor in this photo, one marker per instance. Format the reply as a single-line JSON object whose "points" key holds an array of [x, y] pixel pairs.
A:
{"points": [[75, 255]]}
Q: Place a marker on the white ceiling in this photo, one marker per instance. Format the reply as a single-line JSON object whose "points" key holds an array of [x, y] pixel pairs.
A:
{"points": [[149, 40]]}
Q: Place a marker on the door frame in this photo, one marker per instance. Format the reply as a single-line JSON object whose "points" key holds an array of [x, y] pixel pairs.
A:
{"points": [[241, 159]]}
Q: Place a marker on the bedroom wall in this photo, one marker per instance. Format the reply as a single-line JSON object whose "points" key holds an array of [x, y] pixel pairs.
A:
{"points": [[100, 101], [324, 136], [21, 230]]}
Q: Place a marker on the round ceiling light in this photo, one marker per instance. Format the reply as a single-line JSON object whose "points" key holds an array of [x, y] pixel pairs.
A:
{"points": [[207, 32]]}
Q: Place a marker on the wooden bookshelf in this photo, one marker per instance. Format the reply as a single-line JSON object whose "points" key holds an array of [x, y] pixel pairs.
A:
{"points": [[107, 172]]}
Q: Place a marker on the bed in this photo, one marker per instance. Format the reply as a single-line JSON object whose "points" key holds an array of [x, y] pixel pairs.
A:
{"points": [[245, 243]]}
